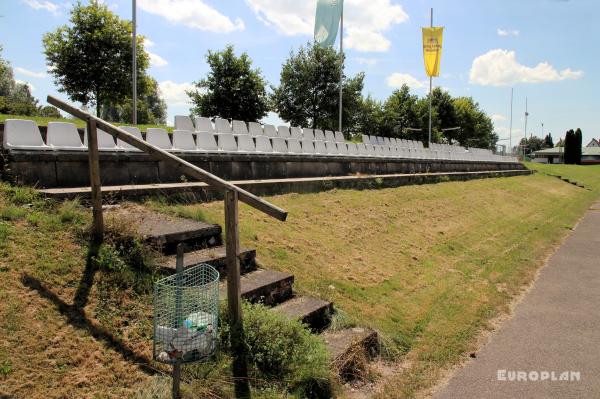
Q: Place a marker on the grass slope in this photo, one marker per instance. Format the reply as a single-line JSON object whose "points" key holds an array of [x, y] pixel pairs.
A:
{"points": [[41, 121], [428, 265]]}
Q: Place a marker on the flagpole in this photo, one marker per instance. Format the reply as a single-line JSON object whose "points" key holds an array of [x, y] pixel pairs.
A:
{"points": [[342, 64], [134, 63], [430, 90]]}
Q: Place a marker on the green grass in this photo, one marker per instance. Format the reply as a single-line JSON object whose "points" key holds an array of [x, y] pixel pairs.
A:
{"points": [[427, 266], [81, 124]]}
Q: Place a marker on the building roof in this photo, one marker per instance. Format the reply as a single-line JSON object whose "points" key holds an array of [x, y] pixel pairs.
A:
{"points": [[559, 151]]}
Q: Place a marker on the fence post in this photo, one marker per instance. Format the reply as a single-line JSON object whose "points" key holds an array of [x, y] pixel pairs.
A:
{"points": [[234, 300], [95, 185]]}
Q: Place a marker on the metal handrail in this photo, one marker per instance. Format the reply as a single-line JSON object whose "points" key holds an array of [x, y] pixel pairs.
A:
{"points": [[186, 167]]}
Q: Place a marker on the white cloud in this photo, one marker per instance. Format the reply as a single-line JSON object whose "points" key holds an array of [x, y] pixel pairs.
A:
{"points": [[398, 79], [49, 6], [156, 60], [192, 13], [498, 118], [501, 68], [29, 73], [31, 87], [507, 32], [174, 93], [148, 43], [365, 21]]}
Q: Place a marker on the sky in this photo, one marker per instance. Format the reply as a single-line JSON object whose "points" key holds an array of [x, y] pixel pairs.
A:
{"points": [[545, 50]]}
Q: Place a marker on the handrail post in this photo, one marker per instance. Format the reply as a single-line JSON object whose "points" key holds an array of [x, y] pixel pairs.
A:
{"points": [[234, 298], [95, 185]]}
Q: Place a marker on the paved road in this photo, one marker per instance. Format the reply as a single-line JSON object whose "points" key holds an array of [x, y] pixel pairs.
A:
{"points": [[555, 328]]}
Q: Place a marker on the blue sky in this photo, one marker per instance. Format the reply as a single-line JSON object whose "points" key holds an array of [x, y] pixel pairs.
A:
{"points": [[547, 50]]}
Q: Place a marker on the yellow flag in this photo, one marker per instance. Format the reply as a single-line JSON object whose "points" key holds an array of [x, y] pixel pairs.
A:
{"points": [[432, 50]]}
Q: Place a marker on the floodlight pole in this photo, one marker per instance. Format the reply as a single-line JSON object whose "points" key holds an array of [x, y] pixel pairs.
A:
{"points": [[430, 90], [341, 65], [134, 62], [526, 116], [511, 120]]}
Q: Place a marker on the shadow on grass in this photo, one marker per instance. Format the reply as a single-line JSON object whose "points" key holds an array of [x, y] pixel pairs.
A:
{"points": [[76, 316]]}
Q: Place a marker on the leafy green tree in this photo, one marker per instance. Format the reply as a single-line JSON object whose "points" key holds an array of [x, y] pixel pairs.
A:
{"points": [[476, 128], [443, 104], [7, 80], [400, 113], [578, 146], [151, 108], [15, 98], [48, 111], [369, 118], [231, 90], [533, 144], [548, 142], [570, 147], [90, 59], [308, 93]]}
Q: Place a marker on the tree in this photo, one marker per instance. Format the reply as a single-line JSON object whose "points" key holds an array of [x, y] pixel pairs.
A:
{"points": [[442, 103], [578, 146], [91, 59], [369, 118], [570, 150], [151, 108], [48, 111], [476, 128], [308, 92], [400, 114], [532, 144], [231, 90], [548, 142], [15, 98]]}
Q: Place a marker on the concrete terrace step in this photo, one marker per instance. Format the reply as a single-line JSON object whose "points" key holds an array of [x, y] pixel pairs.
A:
{"points": [[165, 231], [348, 346], [313, 312], [213, 256], [266, 286]]}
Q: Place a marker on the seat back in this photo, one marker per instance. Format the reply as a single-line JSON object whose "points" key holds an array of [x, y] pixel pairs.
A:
{"points": [[319, 135], [339, 137], [331, 148], [342, 148], [63, 135], [255, 129], [270, 131], [296, 132], [222, 126], [226, 142], [239, 127], [307, 146], [308, 134], [279, 145], [329, 136], [183, 122], [133, 131], [320, 147], [106, 142], [294, 146], [183, 140], [352, 149], [206, 142], [158, 137], [283, 131], [245, 143], [263, 144], [21, 133], [204, 124]]}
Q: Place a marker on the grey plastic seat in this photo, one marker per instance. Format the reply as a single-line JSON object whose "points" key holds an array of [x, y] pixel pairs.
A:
{"points": [[371, 150], [203, 124], [307, 146], [283, 131], [133, 131], [159, 138], [329, 136], [366, 139], [106, 141], [239, 127], [331, 148], [378, 150], [373, 140], [255, 129], [206, 142], [183, 122], [226, 142], [339, 137], [308, 134], [270, 131], [319, 136], [380, 140], [342, 148], [263, 144], [294, 146], [183, 141], [222, 126], [296, 132], [245, 143], [361, 149], [279, 145], [352, 149], [387, 141], [320, 147], [64, 136], [23, 135]]}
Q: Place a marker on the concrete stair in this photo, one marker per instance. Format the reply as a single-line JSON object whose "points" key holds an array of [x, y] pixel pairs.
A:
{"points": [[313, 312], [214, 256], [268, 287]]}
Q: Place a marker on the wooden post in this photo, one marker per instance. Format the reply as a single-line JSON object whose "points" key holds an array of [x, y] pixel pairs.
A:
{"points": [[234, 297], [178, 318], [95, 185]]}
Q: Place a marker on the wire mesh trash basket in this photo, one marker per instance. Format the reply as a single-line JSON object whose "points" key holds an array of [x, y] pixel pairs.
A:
{"points": [[186, 311]]}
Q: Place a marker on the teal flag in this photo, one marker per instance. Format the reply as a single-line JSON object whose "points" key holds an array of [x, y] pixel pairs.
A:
{"points": [[327, 21]]}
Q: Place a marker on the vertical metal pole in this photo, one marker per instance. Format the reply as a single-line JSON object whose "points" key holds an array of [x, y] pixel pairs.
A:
{"points": [[95, 185], [234, 296], [511, 120], [134, 62], [178, 318], [430, 90], [526, 115], [342, 65]]}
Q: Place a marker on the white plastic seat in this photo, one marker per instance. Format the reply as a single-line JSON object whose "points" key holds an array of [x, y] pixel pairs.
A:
{"points": [[183, 122], [106, 142], [342, 148], [203, 124], [64, 136], [380, 140], [386, 151], [222, 126], [283, 131], [366, 139], [263, 144], [239, 127], [294, 146], [226, 142], [133, 131], [352, 149], [296, 132], [183, 141], [206, 142], [387, 141], [307, 146], [361, 149], [331, 148], [159, 138], [270, 131], [329, 136], [373, 140], [245, 143], [371, 150], [279, 145], [378, 150], [308, 134], [319, 136], [339, 137], [320, 147], [23, 135], [255, 129]]}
